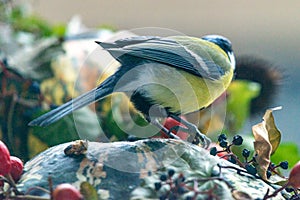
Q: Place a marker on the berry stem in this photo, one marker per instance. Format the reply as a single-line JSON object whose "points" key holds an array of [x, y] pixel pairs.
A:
{"points": [[274, 194]]}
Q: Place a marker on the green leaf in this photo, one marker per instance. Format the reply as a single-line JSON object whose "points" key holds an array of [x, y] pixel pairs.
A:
{"points": [[88, 191], [82, 124], [287, 151], [241, 93]]}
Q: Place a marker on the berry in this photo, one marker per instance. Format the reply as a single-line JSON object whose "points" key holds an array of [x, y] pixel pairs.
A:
{"points": [[223, 143], [251, 169], [171, 172], [35, 88], [163, 177], [246, 153], [289, 189], [5, 165], [232, 160], [237, 140], [189, 198], [294, 177], [222, 137], [16, 168], [179, 180], [163, 197], [157, 185], [53, 106], [66, 191], [284, 165], [269, 174], [181, 190], [213, 151]]}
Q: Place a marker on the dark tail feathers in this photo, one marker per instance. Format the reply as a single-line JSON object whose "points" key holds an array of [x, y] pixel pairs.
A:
{"points": [[96, 94]]}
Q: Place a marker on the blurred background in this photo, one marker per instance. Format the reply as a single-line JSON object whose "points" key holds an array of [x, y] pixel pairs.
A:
{"points": [[268, 29], [41, 54]]}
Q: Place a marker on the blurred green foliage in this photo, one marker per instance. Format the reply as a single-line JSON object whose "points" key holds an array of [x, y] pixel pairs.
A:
{"points": [[21, 21]]}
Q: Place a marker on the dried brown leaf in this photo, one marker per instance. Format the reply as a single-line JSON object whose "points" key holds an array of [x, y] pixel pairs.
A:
{"points": [[263, 149], [273, 132], [266, 140]]}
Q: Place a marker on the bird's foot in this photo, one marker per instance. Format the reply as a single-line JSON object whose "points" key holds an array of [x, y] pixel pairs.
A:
{"points": [[195, 136]]}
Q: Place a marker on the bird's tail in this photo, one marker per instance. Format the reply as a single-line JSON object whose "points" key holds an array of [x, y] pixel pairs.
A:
{"points": [[95, 94]]}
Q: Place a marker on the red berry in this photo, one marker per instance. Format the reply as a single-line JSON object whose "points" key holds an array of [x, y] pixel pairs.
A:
{"points": [[5, 164], [170, 122], [16, 168], [66, 191], [294, 177]]}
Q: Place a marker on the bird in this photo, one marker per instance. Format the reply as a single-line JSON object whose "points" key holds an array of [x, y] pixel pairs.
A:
{"points": [[163, 77]]}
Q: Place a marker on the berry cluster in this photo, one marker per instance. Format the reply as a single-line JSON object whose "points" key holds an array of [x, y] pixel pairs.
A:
{"points": [[293, 182], [11, 169], [174, 186], [226, 148]]}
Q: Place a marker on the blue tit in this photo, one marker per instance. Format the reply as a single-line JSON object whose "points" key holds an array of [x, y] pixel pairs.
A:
{"points": [[163, 77]]}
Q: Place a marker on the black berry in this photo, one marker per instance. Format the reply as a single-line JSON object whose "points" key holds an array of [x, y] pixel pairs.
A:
{"points": [[213, 151], [222, 137], [157, 185], [171, 172], [163, 197], [289, 189], [232, 160], [284, 165], [237, 140], [181, 190], [246, 153], [269, 173], [35, 88], [223, 143], [163, 177], [251, 169]]}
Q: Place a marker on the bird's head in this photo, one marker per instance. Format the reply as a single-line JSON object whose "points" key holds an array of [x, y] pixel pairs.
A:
{"points": [[224, 44]]}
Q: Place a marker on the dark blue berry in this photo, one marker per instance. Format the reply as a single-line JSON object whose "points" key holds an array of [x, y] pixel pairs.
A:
{"points": [[251, 169], [289, 189], [35, 88], [246, 153], [53, 106], [163, 177], [284, 165], [172, 197], [132, 138], [163, 197], [272, 166], [171, 172], [213, 151], [178, 181], [223, 143], [232, 160], [157, 185], [269, 174], [237, 140], [181, 190], [222, 137]]}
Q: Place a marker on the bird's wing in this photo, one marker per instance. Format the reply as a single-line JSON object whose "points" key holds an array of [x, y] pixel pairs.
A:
{"points": [[164, 50]]}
